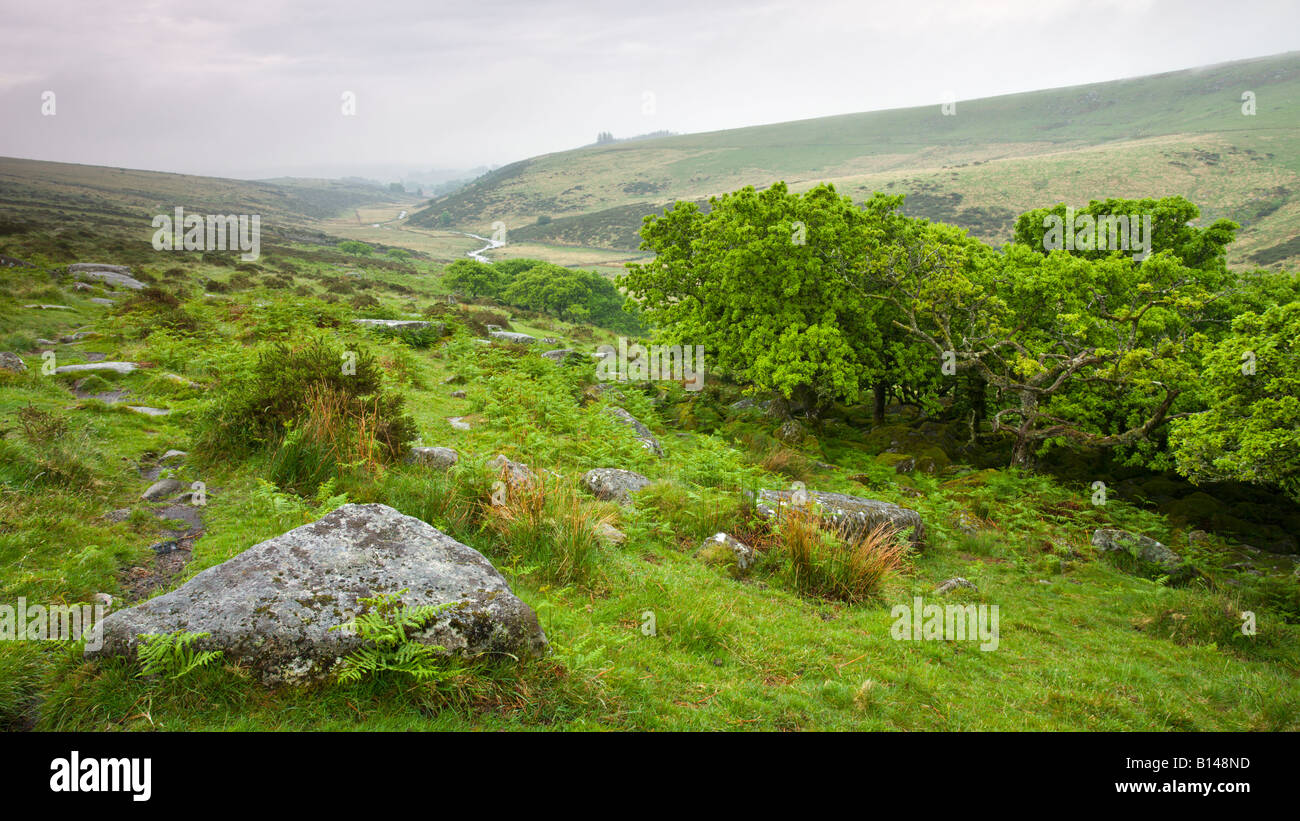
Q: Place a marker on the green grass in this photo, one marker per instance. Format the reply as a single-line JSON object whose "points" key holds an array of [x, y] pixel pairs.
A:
{"points": [[1083, 645]]}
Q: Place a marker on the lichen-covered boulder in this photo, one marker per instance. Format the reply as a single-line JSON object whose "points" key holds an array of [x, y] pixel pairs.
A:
{"points": [[613, 484], [1149, 554], [848, 515], [271, 607]]}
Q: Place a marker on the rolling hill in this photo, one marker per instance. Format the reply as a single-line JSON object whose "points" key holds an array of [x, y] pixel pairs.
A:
{"points": [[1181, 132]]}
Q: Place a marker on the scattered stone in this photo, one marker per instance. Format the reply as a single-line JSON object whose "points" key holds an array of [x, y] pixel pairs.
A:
{"points": [[437, 458], [115, 367], [119, 515], [849, 515], [1143, 548], [454, 379], [45, 343], [148, 411], [99, 300], [614, 484], [13, 262], [560, 354], [272, 607], [515, 473], [458, 423], [162, 489], [511, 336], [457, 394], [395, 324], [77, 337], [643, 434], [722, 550], [749, 403], [953, 584], [104, 599], [172, 456], [44, 307], [608, 533], [966, 523], [117, 279], [12, 362]]}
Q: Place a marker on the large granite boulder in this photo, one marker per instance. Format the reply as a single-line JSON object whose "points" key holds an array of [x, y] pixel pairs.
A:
{"points": [[271, 607], [400, 324], [848, 515], [613, 484]]}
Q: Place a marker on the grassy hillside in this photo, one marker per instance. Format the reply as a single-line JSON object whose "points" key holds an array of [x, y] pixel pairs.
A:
{"points": [[1085, 643], [66, 204], [1176, 133]]}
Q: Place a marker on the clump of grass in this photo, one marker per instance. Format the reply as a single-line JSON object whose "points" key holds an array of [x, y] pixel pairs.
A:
{"points": [[547, 530], [333, 436], [850, 570], [787, 462]]}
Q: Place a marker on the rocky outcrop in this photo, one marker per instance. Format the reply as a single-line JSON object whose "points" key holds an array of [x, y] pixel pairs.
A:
{"points": [[848, 515], [272, 608], [1147, 552]]}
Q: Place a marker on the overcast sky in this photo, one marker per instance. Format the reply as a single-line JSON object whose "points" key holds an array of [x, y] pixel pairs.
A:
{"points": [[255, 89]]}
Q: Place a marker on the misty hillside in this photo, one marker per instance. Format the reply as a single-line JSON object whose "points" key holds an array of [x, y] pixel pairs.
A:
{"points": [[1175, 133]]}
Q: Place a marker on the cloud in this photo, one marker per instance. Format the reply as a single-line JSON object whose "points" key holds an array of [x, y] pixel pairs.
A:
{"points": [[246, 88]]}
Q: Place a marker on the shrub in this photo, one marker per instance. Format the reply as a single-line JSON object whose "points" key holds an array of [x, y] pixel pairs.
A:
{"points": [[309, 388]]}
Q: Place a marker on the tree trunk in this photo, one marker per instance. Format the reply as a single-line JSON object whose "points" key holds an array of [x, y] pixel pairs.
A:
{"points": [[881, 391]]}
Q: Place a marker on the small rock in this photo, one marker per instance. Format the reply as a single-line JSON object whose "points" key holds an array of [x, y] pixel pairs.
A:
{"points": [[614, 484], [457, 394], [458, 423], [515, 473], [953, 584], [162, 489], [511, 336], [115, 367], [12, 362], [172, 456], [608, 533], [643, 434], [560, 354], [148, 411], [722, 550], [436, 458]]}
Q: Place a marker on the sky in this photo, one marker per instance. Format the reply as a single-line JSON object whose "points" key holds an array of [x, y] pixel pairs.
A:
{"points": [[259, 89]]}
